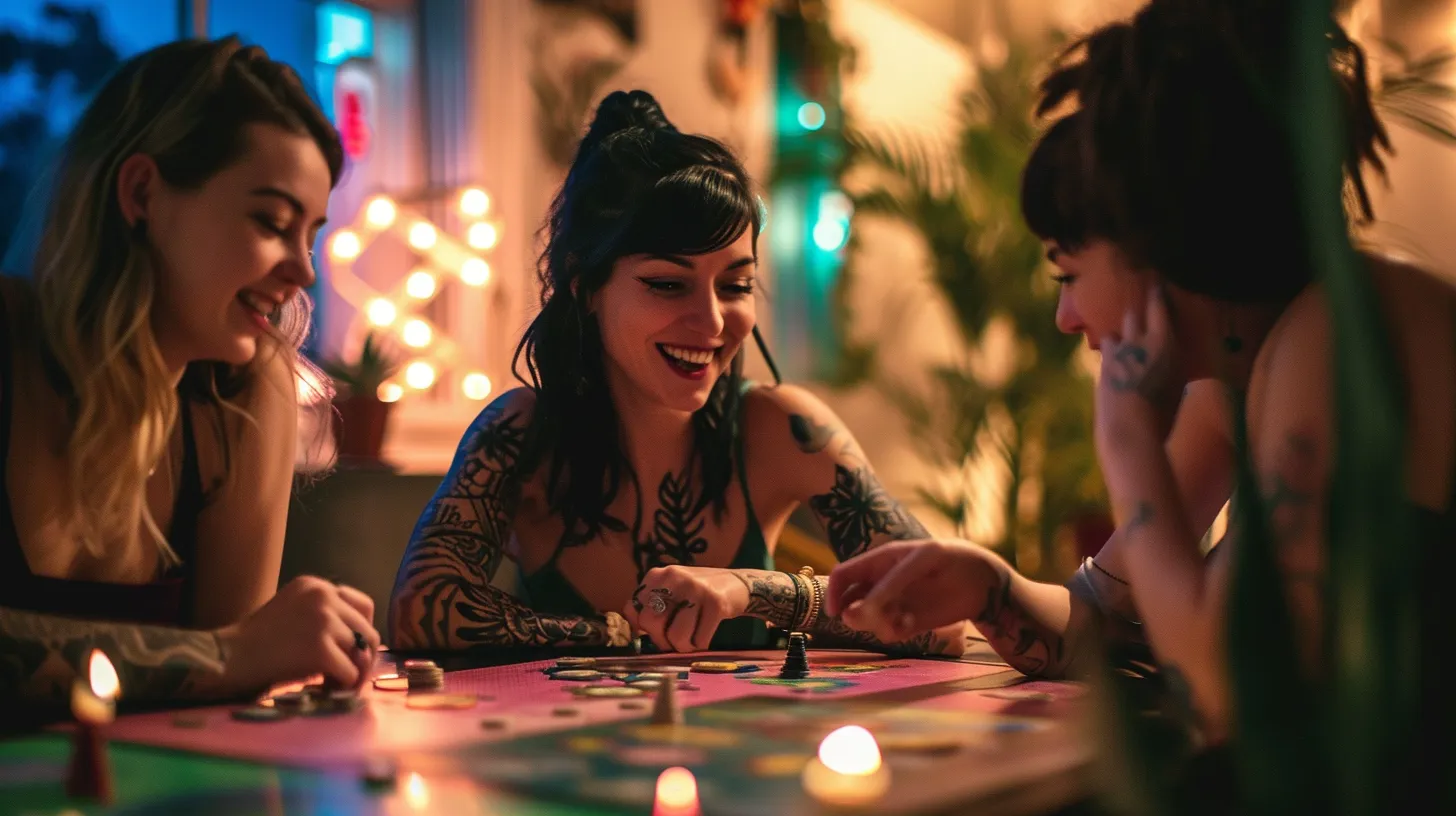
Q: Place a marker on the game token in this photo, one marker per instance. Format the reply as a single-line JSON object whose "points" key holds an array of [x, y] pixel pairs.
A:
{"points": [[494, 723], [379, 772], [260, 714], [419, 664], [438, 702], [574, 662], [391, 682], [712, 667], [633, 705], [564, 712], [577, 674], [291, 699], [609, 691]]}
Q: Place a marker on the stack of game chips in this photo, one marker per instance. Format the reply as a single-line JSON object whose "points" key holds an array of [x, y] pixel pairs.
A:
{"points": [[424, 675], [796, 662]]}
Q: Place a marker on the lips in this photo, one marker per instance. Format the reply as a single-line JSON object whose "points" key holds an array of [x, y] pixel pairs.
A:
{"points": [[688, 361]]}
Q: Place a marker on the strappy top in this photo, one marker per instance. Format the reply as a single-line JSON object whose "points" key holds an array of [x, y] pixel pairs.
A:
{"points": [[549, 591], [168, 601]]}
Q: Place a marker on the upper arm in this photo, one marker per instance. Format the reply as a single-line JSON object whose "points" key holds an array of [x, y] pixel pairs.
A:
{"points": [[823, 467], [1291, 443], [459, 543], [240, 531]]}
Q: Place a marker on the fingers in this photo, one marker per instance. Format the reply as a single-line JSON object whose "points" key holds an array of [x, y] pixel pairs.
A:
{"points": [[360, 624], [358, 600], [337, 657], [681, 624], [863, 571], [1158, 320], [885, 609]]}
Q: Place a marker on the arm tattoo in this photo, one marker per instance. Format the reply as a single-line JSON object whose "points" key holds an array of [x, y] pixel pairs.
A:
{"points": [[41, 655], [773, 597], [1288, 502], [810, 436], [444, 596], [1141, 516], [677, 528], [1027, 646], [858, 512]]}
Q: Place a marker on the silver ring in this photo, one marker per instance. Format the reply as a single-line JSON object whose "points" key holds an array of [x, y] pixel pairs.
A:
{"points": [[658, 600]]}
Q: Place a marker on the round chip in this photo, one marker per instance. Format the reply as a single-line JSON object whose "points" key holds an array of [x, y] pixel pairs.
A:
{"points": [[260, 714], [609, 691], [577, 674], [714, 667], [633, 705], [391, 682], [419, 664], [438, 702], [494, 723], [290, 699], [575, 662], [565, 712]]}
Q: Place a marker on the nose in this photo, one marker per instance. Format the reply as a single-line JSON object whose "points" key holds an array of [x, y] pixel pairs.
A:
{"points": [[1068, 320], [705, 315], [298, 270]]}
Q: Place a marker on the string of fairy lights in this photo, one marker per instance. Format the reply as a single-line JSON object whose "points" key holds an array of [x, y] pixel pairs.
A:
{"points": [[443, 260]]}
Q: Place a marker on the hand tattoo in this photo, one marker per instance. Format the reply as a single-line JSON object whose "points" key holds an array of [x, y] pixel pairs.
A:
{"points": [[773, 597], [1028, 647]]}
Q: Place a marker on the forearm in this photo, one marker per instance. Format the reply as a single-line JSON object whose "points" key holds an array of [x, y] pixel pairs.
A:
{"points": [[42, 655], [1168, 576], [775, 597], [441, 610]]}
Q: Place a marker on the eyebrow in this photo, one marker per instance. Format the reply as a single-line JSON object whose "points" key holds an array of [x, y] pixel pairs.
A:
{"points": [[679, 260], [292, 201]]}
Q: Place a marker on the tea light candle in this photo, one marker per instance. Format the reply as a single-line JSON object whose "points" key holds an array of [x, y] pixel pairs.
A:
{"points": [[93, 703], [848, 771], [677, 794]]}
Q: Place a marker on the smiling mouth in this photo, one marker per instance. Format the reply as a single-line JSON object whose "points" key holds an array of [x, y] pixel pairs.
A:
{"points": [[690, 361]]}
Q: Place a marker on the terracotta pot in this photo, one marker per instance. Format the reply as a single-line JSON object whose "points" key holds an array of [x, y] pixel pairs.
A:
{"points": [[359, 427]]}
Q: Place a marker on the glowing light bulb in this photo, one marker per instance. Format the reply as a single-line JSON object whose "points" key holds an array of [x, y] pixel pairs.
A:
{"points": [[345, 245], [380, 213], [381, 312], [420, 285], [482, 236], [419, 375], [830, 234], [474, 203], [475, 385], [422, 235], [811, 116], [417, 333], [475, 272], [389, 392], [850, 750]]}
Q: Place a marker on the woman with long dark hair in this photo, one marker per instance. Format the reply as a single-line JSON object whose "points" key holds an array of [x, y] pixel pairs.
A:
{"points": [[638, 482]]}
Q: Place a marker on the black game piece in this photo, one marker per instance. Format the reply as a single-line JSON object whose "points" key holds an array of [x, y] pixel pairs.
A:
{"points": [[796, 662]]}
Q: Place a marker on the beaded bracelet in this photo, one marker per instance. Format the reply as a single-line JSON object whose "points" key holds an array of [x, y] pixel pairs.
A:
{"points": [[816, 598]]}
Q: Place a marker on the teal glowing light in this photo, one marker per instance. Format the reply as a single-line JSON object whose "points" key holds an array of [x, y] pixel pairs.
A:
{"points": [[345, 31], [811, 116]]}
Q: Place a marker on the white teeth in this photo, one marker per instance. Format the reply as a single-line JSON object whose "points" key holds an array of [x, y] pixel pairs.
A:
{"points": [[258, 303], [690, 356]]}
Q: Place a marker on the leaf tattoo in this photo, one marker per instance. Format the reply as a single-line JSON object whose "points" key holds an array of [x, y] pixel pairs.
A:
{"points": [[857, 509], [677, 526]]}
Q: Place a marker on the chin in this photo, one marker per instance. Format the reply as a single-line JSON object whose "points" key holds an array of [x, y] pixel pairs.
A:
{"points": [[237, 351]]}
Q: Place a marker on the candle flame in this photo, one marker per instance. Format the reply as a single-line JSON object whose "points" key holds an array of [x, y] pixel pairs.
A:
{"points": [[850, 750], [416, 792], [677, 788], [104, 682]]}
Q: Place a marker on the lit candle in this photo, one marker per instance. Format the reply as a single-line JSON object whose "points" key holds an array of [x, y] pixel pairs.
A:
{"points": [[416, 792], [848, 771], [677, 794], [93, 703]]}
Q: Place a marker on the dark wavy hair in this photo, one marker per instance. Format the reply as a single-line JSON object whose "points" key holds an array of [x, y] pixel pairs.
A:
{"points": [[1180, 143], [637, 185]]}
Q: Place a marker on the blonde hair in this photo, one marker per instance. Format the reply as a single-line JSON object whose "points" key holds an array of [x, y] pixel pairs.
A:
{"points": [[185, 104]]}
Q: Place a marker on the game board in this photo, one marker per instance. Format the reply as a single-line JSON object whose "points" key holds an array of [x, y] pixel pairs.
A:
{"points": [[951, 731]]}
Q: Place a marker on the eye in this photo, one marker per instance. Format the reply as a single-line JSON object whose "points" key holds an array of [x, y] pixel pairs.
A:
{"points": [[663, 285], [739, 288], [271, 225]]}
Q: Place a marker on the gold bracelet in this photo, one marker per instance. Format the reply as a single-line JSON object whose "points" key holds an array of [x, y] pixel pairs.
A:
{"points": [[816, 598], [804, 600]]}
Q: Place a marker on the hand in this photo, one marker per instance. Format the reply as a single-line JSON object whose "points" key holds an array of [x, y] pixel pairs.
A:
{"points": [[680, 607], [1141, 384], [307, 628], [904, 588]]}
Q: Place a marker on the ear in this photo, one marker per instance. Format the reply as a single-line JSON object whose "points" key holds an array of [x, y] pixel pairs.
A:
{"points": [[136, 184]]}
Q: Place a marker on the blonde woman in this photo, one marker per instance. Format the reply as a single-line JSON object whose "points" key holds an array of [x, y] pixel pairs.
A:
{"points": [[147, 398]]}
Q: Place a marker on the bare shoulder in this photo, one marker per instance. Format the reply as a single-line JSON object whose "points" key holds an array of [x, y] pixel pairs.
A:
{"points": [[791, 416], [515, 407]]}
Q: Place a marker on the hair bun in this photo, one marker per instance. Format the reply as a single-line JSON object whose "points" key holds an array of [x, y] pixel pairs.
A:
{"points": [[625, 110]]}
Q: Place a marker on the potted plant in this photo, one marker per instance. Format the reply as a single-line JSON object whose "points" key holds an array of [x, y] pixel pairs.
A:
{"points": [[360, 416]]}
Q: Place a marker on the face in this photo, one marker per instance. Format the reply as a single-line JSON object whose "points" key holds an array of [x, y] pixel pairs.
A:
{"points": [[233, 251], [1098, 286], [672, 324]]}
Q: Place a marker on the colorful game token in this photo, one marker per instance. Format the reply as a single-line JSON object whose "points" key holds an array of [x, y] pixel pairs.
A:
{"points": [[712, 667], [565, 712], [260, 714], [575, 662], [609, 691], [440, 702], [391, 682], [577, 674]]}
